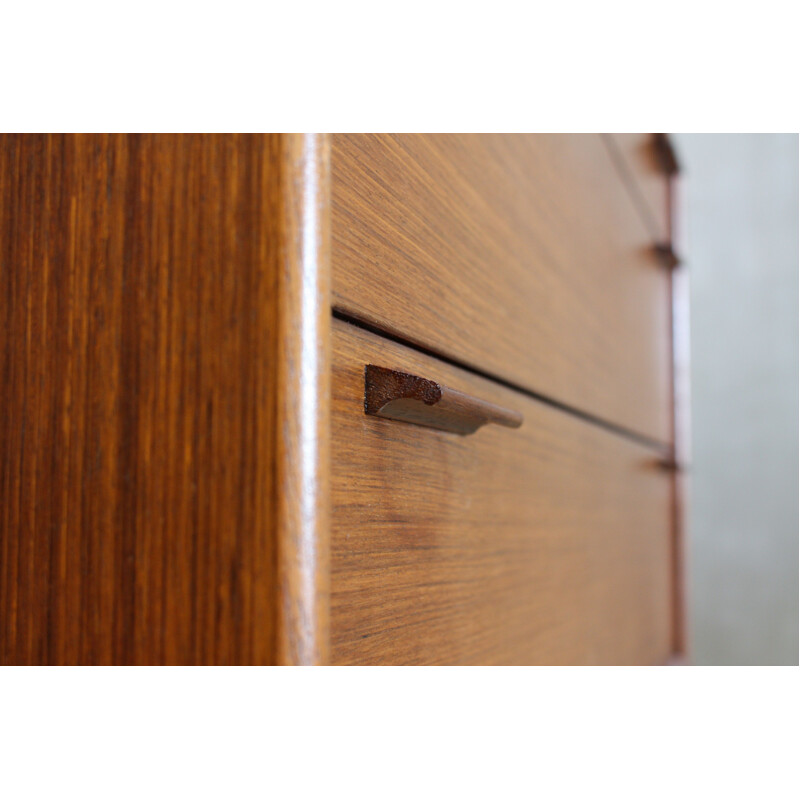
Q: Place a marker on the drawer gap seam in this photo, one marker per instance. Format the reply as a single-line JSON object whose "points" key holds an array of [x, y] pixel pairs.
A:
{"points": [[612, 427]]}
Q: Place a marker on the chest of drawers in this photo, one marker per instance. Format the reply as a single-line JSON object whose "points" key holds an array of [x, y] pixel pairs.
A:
{"points": [[189, 471]]}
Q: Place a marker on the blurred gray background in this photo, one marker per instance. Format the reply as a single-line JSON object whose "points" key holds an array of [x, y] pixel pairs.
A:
{"points": [[741, 238]]}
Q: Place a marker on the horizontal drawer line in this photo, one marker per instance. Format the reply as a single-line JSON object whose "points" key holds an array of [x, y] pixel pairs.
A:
{"points": [[664, 449], [630, 182]]}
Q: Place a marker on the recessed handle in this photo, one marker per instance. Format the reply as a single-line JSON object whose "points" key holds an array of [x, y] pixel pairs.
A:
{"points": [[409, 398]]}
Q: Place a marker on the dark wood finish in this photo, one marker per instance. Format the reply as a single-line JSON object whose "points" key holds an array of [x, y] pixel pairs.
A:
{"points": [[666, 154], [142, 461], [668, 256], [521, 255], [409, 398], [166, 436], [545, 544]]}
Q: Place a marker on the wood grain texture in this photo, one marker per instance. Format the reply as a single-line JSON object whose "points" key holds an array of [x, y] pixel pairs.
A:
{"points": [[138, 444], [165, 363], [521, 255], [545, 544], [642, 168]]}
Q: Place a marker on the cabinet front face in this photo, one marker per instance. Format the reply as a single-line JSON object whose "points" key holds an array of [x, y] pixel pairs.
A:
{"points": [[543, 544], [640, 158], [524, 256]]}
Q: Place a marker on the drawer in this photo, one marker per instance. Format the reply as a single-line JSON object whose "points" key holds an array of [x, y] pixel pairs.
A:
{"points": [[523, 256], [638, 158], [548, 543]]}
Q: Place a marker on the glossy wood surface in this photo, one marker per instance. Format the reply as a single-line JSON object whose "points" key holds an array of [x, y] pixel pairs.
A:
{"points": [[302, 432], [549, 543], [165, 357], [139, 443], [524, 256], [641, 167]]}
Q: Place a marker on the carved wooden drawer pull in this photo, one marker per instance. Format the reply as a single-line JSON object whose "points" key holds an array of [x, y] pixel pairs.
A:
{"points": [[408, 398]]}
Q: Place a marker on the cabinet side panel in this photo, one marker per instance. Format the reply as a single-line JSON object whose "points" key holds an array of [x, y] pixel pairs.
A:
{"points": [[138, 318]]}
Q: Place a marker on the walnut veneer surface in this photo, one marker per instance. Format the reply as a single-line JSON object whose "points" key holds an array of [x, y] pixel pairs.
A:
{"points": [[544, 544], [522, 255], [172, 380], [140, 516]]}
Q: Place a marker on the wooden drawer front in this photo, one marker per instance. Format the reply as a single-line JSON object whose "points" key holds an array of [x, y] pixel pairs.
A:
{"points": [[521, 255], [544, 544], [639, 162]]}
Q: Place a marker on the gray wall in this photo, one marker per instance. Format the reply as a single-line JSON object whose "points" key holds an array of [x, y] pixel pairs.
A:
{"points": [[741, 194]]}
